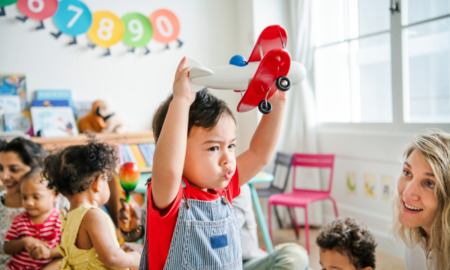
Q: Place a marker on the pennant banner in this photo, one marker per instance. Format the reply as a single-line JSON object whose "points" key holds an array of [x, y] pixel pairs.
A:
{"points": [[103, 28]]}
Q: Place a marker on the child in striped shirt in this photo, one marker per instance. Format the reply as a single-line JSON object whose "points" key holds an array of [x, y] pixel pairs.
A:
{"points": [[34, 234]]}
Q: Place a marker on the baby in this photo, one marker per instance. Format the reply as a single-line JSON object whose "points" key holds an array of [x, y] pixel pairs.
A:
{"points": [[34, 234]]}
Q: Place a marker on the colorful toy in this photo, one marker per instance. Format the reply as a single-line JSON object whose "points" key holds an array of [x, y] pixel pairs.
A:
{"points": [[128, 178], [268, 68]]}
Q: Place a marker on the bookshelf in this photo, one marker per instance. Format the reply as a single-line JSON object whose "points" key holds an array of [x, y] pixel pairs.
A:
{"points": [[112, 138], [116, 139]]}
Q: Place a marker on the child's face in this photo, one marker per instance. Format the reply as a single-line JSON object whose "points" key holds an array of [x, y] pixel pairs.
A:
{"points": [[11, 171], [333, 260], [37, 199], [418, 203], [210, 160]]}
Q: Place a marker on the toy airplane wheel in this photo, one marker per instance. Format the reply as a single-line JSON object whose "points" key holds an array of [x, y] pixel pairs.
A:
{"points": [[265, 107], [283, 83]]}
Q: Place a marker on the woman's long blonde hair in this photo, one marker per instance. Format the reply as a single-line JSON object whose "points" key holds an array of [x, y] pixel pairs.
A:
{"points": [[435, 148]]}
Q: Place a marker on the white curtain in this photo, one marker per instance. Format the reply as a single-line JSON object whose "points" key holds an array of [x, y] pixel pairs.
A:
{"points": [[299, 133]]}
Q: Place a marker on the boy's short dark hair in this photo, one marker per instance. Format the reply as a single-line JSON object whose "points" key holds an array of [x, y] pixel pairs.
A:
{"points": [[350, 239], [74, 169], [204, 112]]}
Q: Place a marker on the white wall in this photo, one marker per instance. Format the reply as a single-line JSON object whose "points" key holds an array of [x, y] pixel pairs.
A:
{"points": [[133, 84], [366, 152]]}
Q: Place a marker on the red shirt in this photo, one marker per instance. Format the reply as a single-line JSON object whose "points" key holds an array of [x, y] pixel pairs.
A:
{"points": [[160, 228], [48, 232]]}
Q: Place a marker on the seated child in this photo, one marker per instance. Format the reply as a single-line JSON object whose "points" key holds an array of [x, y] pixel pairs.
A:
{"points": [[35, 233], [190, 219], [88, 241], [344, 244]]}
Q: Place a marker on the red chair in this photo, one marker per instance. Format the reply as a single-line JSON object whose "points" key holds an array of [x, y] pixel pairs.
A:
{"points": [[303, 197]]}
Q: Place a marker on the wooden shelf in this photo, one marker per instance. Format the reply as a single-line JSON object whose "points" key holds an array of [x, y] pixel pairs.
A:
{"points": [[111, 138]]}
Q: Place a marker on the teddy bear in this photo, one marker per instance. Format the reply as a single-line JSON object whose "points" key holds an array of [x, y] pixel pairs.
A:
{"points": [[101, 118]]}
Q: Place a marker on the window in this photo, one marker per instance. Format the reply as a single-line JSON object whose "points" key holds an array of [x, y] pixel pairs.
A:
{"points": [[354, 41]]}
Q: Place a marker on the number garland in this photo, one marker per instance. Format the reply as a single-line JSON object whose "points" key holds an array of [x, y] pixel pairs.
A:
{"points": [[103, 28]]}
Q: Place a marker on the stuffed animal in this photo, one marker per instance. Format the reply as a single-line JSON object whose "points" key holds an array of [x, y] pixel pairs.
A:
{"points": [[101, 119], [113, 122]]}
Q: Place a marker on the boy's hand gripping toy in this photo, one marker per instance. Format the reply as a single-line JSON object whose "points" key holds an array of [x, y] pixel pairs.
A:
{"points": [[269, 67]]}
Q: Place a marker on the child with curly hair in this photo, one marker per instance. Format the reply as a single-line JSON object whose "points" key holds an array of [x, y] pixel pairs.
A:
{"points": [[88, 241], [35, 233], [345, 244]]}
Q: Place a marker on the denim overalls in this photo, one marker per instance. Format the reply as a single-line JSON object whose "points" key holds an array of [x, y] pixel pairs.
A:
{"points": [[206, 236]]}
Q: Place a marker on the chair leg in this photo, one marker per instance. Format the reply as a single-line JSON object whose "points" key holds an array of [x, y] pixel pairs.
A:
{"points": [[270, 219], [335, 207], [294, 218], [277, 215], [293, 223], [307, 229]]}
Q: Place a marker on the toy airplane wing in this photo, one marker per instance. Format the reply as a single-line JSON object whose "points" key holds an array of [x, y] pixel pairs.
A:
{"points": [[269, 77], [272, 37]]}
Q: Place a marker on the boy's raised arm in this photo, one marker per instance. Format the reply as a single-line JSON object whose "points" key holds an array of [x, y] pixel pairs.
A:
{"points": [[170, 149], [264, 141]]}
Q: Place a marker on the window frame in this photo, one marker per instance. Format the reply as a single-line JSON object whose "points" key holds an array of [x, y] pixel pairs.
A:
{"points": [[399, 80]]}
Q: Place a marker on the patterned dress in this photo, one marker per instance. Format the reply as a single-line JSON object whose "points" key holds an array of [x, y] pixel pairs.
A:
{"points": [[7, 215]]}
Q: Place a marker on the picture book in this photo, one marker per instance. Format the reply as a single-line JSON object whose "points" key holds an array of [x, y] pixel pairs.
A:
{"points": [[10, 104], [51, 122], [55, 94], [50, 102], [14, 85], [16, 122]]}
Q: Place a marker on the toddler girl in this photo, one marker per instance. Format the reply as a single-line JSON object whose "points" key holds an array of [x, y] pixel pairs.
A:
{"points": [[88, 241]]}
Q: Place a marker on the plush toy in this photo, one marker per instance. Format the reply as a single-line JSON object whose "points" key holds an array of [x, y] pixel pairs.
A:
{"points": [[101, 119], [113, 122]]}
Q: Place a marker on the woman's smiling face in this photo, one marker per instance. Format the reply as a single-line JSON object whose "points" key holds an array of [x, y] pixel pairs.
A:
{"points": [[418, 203], [11, 171]]}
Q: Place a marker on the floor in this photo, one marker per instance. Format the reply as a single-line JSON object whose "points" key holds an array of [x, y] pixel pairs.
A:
{"points": [[384, 261]]}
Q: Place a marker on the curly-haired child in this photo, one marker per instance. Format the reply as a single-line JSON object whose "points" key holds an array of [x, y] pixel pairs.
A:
{"points": [[34, 234], [88, 241], [345, 244]]}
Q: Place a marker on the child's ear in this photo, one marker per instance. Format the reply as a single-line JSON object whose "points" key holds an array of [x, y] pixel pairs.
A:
{"points": [[96, 182]]}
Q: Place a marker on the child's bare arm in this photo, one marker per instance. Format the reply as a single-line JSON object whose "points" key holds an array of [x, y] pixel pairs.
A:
{"points": [[15, 246], [264, 141], [96, 226], [170, 148], [44, 251]]}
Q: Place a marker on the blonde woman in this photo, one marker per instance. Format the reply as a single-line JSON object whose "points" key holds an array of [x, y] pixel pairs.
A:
{"points": [[422, 220]]}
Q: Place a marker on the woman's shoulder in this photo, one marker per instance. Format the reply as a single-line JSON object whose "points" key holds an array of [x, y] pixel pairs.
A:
{"points": [[415, 257]]}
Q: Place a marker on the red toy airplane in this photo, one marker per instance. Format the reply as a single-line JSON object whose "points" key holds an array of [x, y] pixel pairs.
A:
{"points": [[269, 68]]}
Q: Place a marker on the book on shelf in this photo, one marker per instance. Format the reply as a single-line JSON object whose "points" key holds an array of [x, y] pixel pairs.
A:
{"points": [[147, 152], [14, 85], [138, 153], [16, 122], [50, 122], [56, 94], [50, 102]]}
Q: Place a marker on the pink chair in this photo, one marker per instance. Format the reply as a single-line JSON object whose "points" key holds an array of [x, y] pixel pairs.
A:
{"points": [[303, 197]]}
